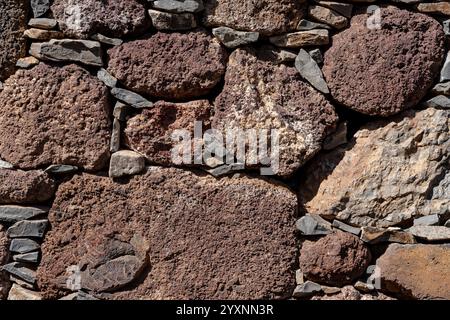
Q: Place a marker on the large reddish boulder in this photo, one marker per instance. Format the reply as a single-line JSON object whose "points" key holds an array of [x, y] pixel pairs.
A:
{"points": [[384, 71], [170, 66], [183, 235], [54, 115]]}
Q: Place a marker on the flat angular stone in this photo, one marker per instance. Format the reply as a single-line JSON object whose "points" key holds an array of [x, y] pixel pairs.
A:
{"points": [[40, 34], [22, 283], [126, 163], [305, 25], [31, 257], [343, 8], [313, 225], [179, 6], [172, 21], [441, 89], [43, 23], [316, 37], [33, 229], [107, 40], [133, 99], [436, 7], [27, 62], [430, 233], [19, 293], [23, 245], [446, 25], [80, 295], [115, 136], [231, 38], [21, 271], [61, 169], [374, 235], [310, 71], [345, 227], [299, 278], [278, 55], [121, 111], [226, 169], [431, 220], [69, 50], [327, 16], [6, 165], [306, 290], [106, 78], [13, 213], [440, 101], [39, 7]]}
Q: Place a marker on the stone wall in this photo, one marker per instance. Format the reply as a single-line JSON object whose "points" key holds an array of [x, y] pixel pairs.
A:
{"points": [[93, 205]]}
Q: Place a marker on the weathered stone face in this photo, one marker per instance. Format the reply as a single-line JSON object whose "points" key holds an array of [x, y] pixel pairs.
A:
{"points": [[4, 256], [391, 172], [384, 71], [234, 238], [416, 271], [337, 259], [25, 187], [12, 42], [259, 94], [51, 115], [83, 18], [267, 17], [171, 66], [150, 133]]}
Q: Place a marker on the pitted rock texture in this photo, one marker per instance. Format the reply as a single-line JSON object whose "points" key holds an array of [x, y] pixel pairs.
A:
{"points": [[54, 115], [336, 259], [350, 293], [267, 17], [113, 18], [392, 171], [12, 42], [416, 271], [150, 133], [4, 256], [259, 94], [25, 186], [170, 65], [234, 238], [384, 71]]}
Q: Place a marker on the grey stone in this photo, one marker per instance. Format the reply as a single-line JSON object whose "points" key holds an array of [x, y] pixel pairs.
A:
{"points": [[21, 271], [306, 290], [313, 225], [316, 54], [172, 21], [231, 38], [126, 162], [278, 55], [39, 7], [447, 224], [345, 227], [343, 8], [61, 169], [19, 293], [310, 71], [431, 220], [13, 213], [299, 277], [364, 287], [107, 40], [442, 89], [316, 37], [30, 257], [115, 136], [325, 15], [79, 295], [179, 6], [6, 165], [226, 169], [27, 62], [133, 99], [1, 85], [330, 290], [305, 25], [69, 50], [23, 245], [43, 23], [440, 102], [446, 25], [27, 228], [121, 111], [22, 283], [337, 138], [106, 78], [407, 1], [431, 233], [445, 72], [373, 235]]}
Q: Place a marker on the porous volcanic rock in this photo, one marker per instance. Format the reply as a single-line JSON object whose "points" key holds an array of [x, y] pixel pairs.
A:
{"points": [[208, 239], [4, 256], [267, 17], [113, 18], [384, 71], [392, 171], [170, 65], [18, 186], [13, 22], [416, 271], [150, 133], [54, 115], [336, 259], [259, 94]]}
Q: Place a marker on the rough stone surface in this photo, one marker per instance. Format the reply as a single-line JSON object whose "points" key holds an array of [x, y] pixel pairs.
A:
{"points": [[32, 229], [431, 233], [345, 227], [107, 40], [440, 101], [337, 259], [12, 42], [170, 65], [259, 94], [438, 8], [306, 289], [19, 293], [231, 38], [51, 115], [222, 220], [313, 225], [441, 89], [327, 16], [172, 21], [305, 25], [42, 23], [150, 133], [4, 256], [375, 235], [110, 17], [27, 62], [350, 293], [39, 7], [392, 171], [106, 78], [316, 37], [267, 17], [133, 99], [25, 186], [126, 162], [416, 271], [404, 56], [179, 6]]}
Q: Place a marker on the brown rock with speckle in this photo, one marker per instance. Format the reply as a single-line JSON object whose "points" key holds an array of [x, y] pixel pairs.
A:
{"points": [[350, 293], [4, 256]]}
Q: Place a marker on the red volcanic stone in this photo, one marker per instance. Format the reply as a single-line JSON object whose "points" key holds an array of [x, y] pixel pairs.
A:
{"points": [[384, 71], [13, 22], [170, 66], [150, 133], [54, 115], [336, 259], [113, 18], [25, 186], [204, 238]]}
